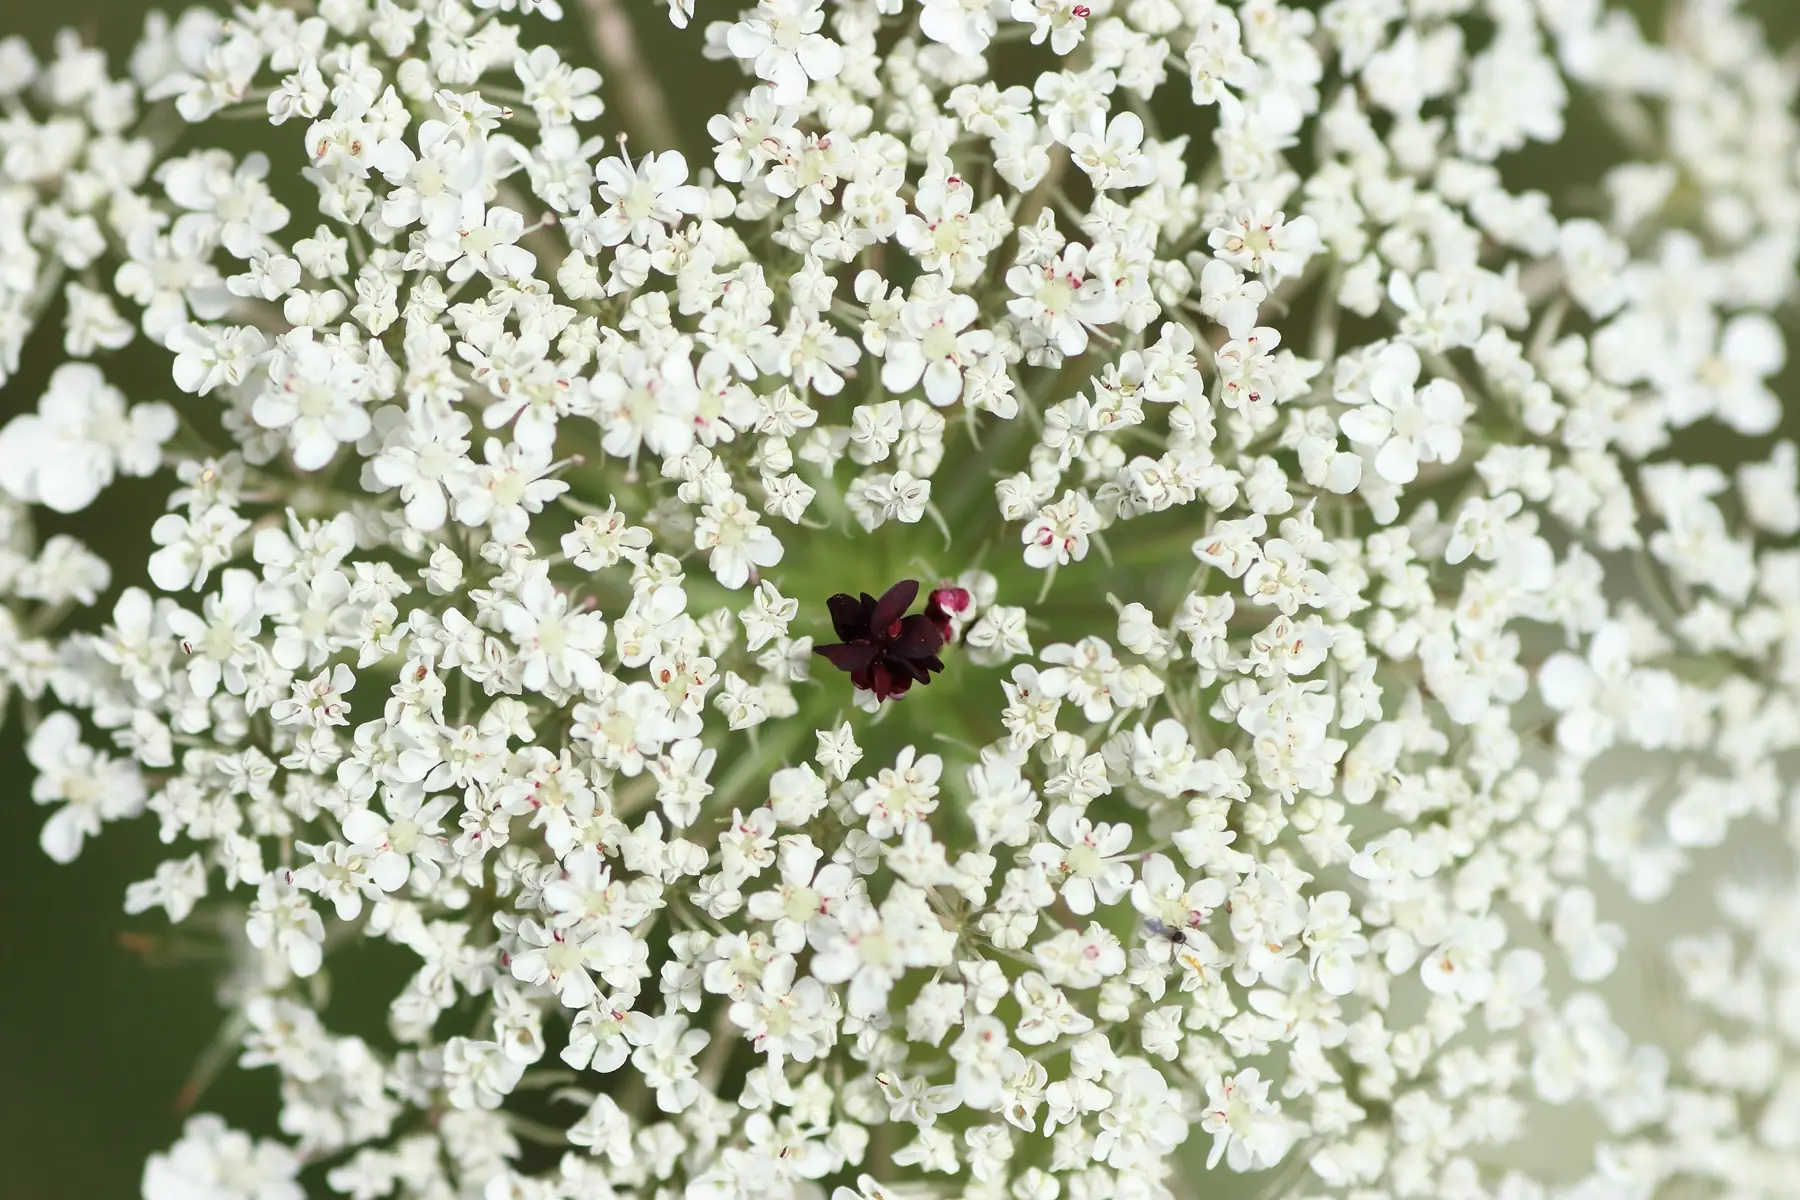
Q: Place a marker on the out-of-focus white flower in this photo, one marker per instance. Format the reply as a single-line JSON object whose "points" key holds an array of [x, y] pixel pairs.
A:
{"points": [[81, 437]]}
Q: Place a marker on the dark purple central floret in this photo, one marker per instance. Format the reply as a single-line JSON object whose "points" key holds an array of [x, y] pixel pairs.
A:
{"points": [[885, 650]]}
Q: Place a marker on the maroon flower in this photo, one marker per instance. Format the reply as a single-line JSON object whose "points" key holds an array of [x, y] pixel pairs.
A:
{"points": [[885, 650], [943, 607]]}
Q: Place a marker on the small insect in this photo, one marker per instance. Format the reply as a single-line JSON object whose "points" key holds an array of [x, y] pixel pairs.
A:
{"points": [[1171, 932]]}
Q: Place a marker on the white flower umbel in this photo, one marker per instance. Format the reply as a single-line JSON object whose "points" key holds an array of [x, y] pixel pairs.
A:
{"points": [[1339, 627]]}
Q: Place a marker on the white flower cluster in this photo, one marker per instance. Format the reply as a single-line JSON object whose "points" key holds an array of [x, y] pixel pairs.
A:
{"points": [[510, 481]]}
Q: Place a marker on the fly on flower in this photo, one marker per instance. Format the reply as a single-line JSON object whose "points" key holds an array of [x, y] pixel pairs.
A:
{"points": [[1173, 933], [885, 650]]}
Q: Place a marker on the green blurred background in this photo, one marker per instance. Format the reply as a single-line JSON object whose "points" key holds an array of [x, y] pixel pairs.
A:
{"points": [[97, 1038]]}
